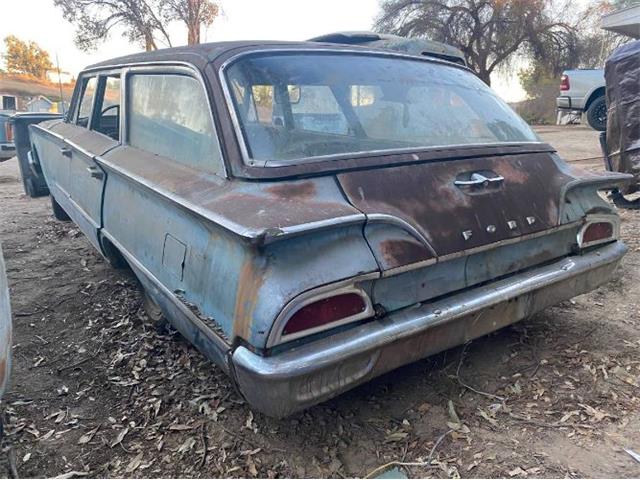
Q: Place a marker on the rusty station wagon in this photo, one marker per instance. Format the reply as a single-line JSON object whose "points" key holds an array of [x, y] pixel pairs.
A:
{"points": [[312, 215]]}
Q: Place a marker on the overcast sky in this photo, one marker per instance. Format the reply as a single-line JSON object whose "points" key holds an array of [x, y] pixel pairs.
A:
{"points": [[42, 22]]}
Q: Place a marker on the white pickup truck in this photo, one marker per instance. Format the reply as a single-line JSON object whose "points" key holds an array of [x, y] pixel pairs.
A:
{"points": [[583, 90]]}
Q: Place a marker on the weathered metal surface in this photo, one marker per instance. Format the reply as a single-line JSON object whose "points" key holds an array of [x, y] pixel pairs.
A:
{"points": [[5, 328], [425, 196], [223, 254], [297, 379], [241, 286], [622, 74]]}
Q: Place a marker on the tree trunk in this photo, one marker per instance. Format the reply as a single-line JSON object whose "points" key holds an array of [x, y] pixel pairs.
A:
{"points": [[194, 34], [193, 22], [485, 76]]}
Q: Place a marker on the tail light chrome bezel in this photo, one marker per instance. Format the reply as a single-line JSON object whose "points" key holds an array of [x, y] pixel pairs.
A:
{"points": [[277, 335], [589, 220]]}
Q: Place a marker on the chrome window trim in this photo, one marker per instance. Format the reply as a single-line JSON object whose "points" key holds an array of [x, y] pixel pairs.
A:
{"points": [[84, 81], [179, 68], [237, 126], [614, 220], [276, 336]]}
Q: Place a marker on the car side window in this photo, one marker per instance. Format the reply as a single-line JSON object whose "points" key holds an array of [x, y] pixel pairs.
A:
{"points": [[107, 118], [168, 115], [86, 101]]}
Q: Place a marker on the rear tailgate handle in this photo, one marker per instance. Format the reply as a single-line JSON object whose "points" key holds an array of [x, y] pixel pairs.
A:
{"points": [[95, 172], [66, 152], [478, 179]]}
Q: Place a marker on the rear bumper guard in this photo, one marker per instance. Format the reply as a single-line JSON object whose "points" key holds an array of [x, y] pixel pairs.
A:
{"points": [[306, 375]]}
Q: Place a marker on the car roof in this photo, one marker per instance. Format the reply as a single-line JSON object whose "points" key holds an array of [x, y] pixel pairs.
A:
{"points": [[202, 54]]}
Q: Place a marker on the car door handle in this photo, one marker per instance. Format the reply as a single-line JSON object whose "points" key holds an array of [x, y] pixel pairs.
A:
{"points": [[95, 172], [478, 179], [66, 152]]}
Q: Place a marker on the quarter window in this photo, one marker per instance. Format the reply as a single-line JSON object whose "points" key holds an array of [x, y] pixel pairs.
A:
{"points": [[107, 118], [86, 102], [168, 115]]}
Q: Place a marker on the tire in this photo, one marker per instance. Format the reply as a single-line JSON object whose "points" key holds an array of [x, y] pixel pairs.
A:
{"points": [[58, 211], [620, 201], [30, 188], [597, 114], [154, 312]]}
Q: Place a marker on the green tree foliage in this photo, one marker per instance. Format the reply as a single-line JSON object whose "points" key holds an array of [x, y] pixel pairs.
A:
{"points": [[26, 57], [489, 32]]}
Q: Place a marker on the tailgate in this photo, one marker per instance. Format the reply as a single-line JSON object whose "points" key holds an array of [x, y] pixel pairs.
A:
{"points": [[426, 211]]}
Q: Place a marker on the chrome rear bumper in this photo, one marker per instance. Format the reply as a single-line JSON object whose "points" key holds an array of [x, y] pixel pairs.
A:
{"points": [[303, 376]]}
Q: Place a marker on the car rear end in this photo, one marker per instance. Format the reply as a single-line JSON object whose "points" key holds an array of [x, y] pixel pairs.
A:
{"points": [[473, 222], [7, 147]]}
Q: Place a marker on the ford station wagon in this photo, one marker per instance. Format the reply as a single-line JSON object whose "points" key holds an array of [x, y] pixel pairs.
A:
{"points": [[311, 215]]}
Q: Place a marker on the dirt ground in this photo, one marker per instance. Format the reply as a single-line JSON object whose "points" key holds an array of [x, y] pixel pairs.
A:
{"points": [[96, 391]]}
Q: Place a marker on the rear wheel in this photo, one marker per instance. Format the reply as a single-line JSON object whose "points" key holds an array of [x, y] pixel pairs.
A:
{"points": [[154, 312], [621, 201], [597, 114], [58, 211]]}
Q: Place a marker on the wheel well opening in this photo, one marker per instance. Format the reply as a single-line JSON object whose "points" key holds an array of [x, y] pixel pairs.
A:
{"points": [[113, 255], [598, 92]]}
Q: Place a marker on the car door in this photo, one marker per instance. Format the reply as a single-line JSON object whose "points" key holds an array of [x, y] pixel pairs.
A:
{"points": [[96, 131]]}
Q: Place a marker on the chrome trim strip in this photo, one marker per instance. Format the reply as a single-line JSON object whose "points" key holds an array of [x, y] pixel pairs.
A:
{"points": [[404, 225], [259, 237], [344, 286], [295, 230], [311, 373], [613, 219], [481, 248], [237, 126], [47, 132], [84, 151]]}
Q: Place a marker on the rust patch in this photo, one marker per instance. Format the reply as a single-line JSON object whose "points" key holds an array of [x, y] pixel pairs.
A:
{"points": [[249, 284], [402, 252], [291, 191], [3, 372]]}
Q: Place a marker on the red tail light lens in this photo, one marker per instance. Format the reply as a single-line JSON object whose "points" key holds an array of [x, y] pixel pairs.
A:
{"points": [[8, 132], [597, 231], [326, 311], [564, 83]]}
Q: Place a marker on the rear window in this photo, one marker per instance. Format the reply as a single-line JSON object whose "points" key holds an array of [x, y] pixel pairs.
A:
{"points": [[293, 106]]}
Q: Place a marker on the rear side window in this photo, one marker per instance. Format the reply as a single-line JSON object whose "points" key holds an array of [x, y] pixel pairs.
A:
{"points": [[168, 115], [86, 101]]}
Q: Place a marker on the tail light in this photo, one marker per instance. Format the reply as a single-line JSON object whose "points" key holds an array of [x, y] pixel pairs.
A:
{"points": [[322, 311], [597, 230], [8, 132], [564, 83]]}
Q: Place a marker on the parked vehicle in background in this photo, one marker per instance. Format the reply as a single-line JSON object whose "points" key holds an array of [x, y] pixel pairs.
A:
{"points": [[33, 180], [621, 142], [5, 329], [410, 46], [311, 216], [7, 147], [583, 91]]}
